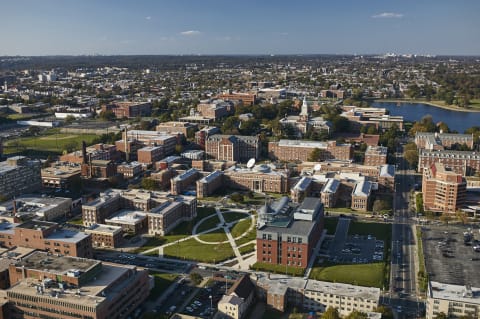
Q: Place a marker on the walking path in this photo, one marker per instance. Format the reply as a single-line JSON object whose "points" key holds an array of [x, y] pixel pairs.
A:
{"points": [[242, 263]]}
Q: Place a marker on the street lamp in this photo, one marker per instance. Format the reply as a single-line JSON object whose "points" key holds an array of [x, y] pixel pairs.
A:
{"points": [[211, 304]]}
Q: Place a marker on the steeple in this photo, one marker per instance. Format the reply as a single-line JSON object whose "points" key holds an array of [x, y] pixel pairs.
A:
{"points": [[304, 110]]}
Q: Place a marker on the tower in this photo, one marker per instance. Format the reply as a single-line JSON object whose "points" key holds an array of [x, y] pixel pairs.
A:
{"points": [[304, 110], [5, 86]]}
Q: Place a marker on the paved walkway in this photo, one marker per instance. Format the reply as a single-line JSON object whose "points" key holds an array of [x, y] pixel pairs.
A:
{"points": [[242, 263]]}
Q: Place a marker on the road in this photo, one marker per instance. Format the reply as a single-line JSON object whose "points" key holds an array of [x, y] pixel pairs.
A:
{"points": [[403, 282]]}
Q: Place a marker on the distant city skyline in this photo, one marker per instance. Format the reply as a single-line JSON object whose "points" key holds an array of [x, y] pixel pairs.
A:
{"points": [[55, 27]]}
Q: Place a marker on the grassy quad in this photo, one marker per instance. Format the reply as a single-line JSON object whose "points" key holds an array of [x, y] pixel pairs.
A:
{"points": [[194, 250], [209, 223], [233, 216]]}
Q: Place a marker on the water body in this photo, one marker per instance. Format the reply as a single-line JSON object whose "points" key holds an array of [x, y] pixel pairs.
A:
{"points": [[456, 120]]}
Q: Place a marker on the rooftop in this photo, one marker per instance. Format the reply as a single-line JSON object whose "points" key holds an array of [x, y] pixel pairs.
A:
{"points": [[55, 264], [67, 235], [186, 174], [387, 170], [331, 186], [213, 175], [362, 188], [127, 216], [465, 294], [101, 228], [344, 289]]}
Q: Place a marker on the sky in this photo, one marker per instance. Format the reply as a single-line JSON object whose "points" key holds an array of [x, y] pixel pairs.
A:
{"points": [[121, 27]]}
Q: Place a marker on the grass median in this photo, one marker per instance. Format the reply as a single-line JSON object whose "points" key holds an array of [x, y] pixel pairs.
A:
{"points": [[368, 275], [191, 249]]}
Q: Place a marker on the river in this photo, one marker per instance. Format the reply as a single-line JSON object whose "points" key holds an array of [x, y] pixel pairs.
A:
{"points": [[456, 120]]}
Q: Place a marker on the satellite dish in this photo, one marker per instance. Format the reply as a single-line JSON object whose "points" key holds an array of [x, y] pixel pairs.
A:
{"points": [[251, 163], [317, 167]]}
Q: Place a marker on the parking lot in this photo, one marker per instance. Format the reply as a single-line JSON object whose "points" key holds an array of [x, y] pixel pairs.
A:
{"points": [[447, 258], [206, 299], [354, 249]]}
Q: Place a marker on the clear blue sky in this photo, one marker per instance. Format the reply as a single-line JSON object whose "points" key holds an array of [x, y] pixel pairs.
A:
{"points": [[48, 27]]}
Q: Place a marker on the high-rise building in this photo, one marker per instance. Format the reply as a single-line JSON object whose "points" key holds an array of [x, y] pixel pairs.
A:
{"points": [[19, 175], [443, 190], [239, 148]]}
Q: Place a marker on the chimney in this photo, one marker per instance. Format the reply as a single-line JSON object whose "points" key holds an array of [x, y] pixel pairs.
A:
{"points": [[126, 146], [14, 207], [84, 152]]}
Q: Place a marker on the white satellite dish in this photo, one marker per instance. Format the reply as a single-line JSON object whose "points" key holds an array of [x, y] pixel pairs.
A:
{"points": [[251, 163], [317, 167]]}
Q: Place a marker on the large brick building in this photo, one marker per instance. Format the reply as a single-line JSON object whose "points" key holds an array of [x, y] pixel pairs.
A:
{"points": [[443, 190], [60, 175], [173, 127], [375, 156], [466, 163], [129, 109], [245, 98], [50, 286], [239, 148], [287, 235], [298, 150], [440, 141], [46, 236], [150, 154], [261, 178]]}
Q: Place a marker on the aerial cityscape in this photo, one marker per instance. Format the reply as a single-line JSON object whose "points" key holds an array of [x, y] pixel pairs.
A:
{"points": [[216, 159]]}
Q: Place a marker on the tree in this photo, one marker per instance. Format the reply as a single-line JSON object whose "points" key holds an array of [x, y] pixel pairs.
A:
{"points": [[380, 205], [149, 184], [356, 315], [331, 313], [315, 155], [237, 197], [107, 115], [69, 119], [441, 315], [196, 278]]}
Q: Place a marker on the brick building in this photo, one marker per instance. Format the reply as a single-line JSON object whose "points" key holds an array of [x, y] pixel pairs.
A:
{"points": [[99, 169], [215, 109], [19, 175], [287, 235], [181, 182], [330, 192], [375, 156], [51, 286], [261, 178], [443, 190], [150, 154], [466, 163], [209, 184], [202, 135], [239, 148], [168, 215], [361, 196], [99, 151], [298, 150], [440, 141], [105, 235], [129, 109], [185, 128], [61, 176], [245, 98], [130, 170], [46, 236]]}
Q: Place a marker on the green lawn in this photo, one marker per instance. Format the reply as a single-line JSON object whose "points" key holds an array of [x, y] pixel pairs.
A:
{"points": [[240, 227], [55, 143], [218, 235], [379, 230], [233, 216], [193, 250], [422, 274], [209, 223], [76, 220], [247, 249], [278, 269], [162, 282], [369, 275]]}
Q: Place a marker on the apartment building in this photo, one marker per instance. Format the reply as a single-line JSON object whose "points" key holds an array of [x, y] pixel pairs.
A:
{"points": [[441, 141], [375, 156], [61, 175], [183, 181], [50, 286], [443, 190], [300, 150], [105, 236], [46, 236], [454, 301], [361, 196], [19, 175], [129, 109], [239, 148], [466, 163], [280, 292], [287, 234], [209, 184]]}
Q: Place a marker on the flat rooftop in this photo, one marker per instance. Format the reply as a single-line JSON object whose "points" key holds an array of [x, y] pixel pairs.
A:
{"points": [[454, 292], [55, 264], [66, 235], [344, 289], [36, 224], [104, 229], [127, 216]]}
